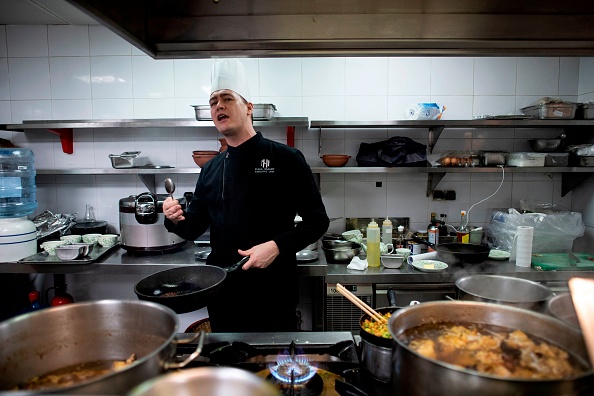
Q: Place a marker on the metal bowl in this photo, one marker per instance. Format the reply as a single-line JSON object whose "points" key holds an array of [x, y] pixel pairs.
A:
{"points": [[69, 252], [336, 244], [545, 145], [342, 254]]}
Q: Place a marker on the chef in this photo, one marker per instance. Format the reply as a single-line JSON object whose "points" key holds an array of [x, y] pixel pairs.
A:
{"points": [[249, 196]]}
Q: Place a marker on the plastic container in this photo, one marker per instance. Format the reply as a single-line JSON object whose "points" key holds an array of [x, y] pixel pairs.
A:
{"points": [[525, 159], [557, 159], [387, 231], [18, 238], [551, 110], [18, 193], [373, 244]]}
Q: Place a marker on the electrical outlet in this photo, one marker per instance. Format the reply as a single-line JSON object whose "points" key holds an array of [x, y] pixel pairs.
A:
{"points": [[444, 195]]}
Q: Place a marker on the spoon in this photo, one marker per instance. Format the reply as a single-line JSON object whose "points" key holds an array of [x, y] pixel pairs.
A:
{"points": [[170, 187]]}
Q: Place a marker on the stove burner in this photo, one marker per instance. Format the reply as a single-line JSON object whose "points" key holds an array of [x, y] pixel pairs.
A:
{"points": [[291, 369], [313, 387]]}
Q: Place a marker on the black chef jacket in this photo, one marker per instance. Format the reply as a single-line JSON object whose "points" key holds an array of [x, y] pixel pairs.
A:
{"points": [[249, 195]]}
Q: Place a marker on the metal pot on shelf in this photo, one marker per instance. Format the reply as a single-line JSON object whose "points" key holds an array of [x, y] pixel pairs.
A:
{"points": [[141, 224]]}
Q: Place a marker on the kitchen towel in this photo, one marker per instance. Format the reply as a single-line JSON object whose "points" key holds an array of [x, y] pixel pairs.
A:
{"points": [[522, 248], [358, 264], [423, 256]]}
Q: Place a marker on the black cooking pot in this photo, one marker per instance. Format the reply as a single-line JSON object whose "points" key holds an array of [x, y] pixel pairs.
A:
{"points": [[89, 227], [376, 352], [184, 289], [458, 253]]}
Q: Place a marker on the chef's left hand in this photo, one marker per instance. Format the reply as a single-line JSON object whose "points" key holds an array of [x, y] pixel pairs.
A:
{"points": [[260, 255]]}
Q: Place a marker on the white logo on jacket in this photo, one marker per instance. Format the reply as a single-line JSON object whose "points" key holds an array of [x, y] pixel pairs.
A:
{"points": [[264, 167]]}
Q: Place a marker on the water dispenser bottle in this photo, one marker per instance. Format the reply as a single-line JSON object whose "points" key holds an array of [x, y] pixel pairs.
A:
{"points": [[18, 199]]}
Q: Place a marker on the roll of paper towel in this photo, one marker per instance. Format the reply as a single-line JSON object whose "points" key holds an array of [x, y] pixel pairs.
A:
{"points": [[523, 246], [422, 256]]}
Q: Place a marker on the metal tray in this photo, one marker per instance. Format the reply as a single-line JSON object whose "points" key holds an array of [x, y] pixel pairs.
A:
{"points": [[562, 110], [262, 112], [45, 258]]}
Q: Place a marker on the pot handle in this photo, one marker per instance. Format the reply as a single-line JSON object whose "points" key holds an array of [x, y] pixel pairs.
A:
{"points": [[423, 241], [193, 355]]}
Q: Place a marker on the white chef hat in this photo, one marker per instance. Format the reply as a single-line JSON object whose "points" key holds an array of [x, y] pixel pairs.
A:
{"points": [[230, 74]]}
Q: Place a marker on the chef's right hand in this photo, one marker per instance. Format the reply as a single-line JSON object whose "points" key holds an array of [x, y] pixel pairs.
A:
{"points": [[173, 210]]}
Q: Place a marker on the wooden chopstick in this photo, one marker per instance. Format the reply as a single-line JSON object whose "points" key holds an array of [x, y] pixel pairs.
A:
{"points": [[361, 304]]}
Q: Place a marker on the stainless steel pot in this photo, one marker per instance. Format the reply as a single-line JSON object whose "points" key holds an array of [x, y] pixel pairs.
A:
{"points": [[561, 307], [207, 381], [414, 374], [505, 290], [58, 337], [141, 224]]}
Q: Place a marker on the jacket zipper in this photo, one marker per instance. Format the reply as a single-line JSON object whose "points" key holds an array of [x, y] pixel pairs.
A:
{"points": [[224, 171]]}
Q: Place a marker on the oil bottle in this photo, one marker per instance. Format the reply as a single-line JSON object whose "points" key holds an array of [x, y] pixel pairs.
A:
{"points": [[387, 231], [463, 233], [373, 244]]}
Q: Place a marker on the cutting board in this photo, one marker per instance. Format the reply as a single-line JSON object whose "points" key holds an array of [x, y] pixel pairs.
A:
{"points": [[560, 261]]}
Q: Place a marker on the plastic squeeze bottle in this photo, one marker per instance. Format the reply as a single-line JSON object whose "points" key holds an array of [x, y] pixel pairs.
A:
{"points": [[373, 244], [387, 231]]}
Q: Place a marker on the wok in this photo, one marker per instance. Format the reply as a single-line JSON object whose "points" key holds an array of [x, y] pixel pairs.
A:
{"points": [[185, 289], [458, 253]]}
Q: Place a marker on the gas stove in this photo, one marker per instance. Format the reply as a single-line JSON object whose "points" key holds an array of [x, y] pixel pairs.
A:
{"points": [[299, 363]]}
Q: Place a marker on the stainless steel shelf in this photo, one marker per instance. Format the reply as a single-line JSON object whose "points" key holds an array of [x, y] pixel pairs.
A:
{"points": [[482, 123], [539, 169], [112, 171], [143, 123]]}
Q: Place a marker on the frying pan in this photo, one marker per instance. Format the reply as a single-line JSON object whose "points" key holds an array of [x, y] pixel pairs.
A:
{"points": [[184, 289], [458, 253]]}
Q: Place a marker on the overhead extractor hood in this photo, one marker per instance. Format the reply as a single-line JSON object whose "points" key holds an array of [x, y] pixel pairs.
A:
{"points": [[166, 29]]}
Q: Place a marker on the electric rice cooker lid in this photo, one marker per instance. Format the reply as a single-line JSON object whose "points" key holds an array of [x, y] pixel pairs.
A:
{"points": [[128, 204]]}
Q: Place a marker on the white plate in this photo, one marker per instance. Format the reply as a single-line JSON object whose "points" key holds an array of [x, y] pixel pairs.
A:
{"points": [[495, 254], [429, 265]]}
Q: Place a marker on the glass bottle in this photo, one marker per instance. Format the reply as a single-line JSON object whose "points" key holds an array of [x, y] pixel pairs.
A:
{"points": [[89, 215], [463, 233], [373, 244], [433, 221], [443, 228]]}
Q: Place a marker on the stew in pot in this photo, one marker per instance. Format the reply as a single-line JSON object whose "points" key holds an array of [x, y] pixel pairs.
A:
{"points": [[492, 350]]}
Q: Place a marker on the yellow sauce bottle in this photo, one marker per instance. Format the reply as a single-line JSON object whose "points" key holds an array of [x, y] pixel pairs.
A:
{"points": [[373, 244]]}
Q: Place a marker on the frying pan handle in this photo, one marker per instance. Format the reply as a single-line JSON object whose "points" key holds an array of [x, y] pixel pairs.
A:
{"points": [[238, 265], [193, 355], [423, 241]]}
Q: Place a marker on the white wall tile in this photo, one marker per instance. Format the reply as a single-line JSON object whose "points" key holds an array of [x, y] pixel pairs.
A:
{"points": [[111, 109], [323, 76], [70, 78], [569, 76], [366, 76], [72, 109], [104, 42], [3, 50], [29, 78], [586, 80], [286, 106], [111, 77], [538, 76], [324, 108], [68, 40], [452, 76], [280, 77], [457, 107], [152, 79], [398, 105], [366, 108], [364, 199], [192, 78], [494, 105], [5, 112], [82, 156], [4, 78], [27, 40], [154, 108], [409, 76], [183, 106], [23, 110], [495, 76]]}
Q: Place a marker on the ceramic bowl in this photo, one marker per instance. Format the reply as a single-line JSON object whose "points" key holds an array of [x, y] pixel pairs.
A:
{"points": [[335, 159], [202, 159], [107, 240], [90, 238], [70, 239], [50, 246], [69, 252], [87, 247]]}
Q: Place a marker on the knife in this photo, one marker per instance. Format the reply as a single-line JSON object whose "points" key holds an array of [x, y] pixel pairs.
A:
{"points": [[573, 257]]}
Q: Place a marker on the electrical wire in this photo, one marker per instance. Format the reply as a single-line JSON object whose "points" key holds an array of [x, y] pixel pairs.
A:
{"points": [[490, 196]]}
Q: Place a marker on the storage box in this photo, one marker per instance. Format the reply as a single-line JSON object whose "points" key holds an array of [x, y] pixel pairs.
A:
{"points": [[493, 158], [262, 112], [551, 110], [525, 159], [587, 111], [557, 159]]}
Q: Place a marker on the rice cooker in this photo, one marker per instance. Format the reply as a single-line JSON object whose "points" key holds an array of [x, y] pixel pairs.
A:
{"points": [[141, 224]]}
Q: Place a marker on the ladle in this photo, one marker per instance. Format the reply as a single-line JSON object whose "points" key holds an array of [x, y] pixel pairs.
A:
{"points": [[169, 187]]}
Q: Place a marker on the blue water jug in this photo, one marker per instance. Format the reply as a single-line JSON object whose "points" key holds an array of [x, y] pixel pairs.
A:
{"points": [[17, 182]]}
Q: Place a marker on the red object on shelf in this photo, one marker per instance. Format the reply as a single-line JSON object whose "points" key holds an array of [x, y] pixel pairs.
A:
{"points": [[66, 138], [291, 136]]}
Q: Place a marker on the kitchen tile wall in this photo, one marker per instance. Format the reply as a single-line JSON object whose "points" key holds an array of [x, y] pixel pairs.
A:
{"points": [[87, 72]]}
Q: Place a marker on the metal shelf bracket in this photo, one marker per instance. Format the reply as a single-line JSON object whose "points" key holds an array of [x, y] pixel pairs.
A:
{"points": [[434, 133], [66, 138], [433, 180]]}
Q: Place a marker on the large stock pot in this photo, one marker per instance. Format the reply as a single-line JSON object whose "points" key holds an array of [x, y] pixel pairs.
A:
{"points": [[54, 338], [414, 374]]}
